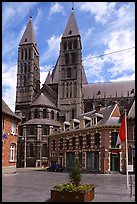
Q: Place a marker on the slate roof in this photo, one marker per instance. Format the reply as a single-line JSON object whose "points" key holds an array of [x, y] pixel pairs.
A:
{"points": [[105, 114], [29, 35], [108, 89], [43, 100], [71, 26], [8, 111], [131, 113], [42, 121]]}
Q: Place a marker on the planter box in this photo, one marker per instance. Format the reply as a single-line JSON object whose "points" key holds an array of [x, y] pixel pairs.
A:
{"points": [[57, 196]]}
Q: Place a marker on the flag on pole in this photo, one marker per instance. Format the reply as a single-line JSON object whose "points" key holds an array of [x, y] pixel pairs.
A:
{"points": [[122, 131]]}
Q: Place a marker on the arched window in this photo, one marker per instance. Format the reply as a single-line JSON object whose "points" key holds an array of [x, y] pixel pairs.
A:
{"points": [[29, 53], [31, 150], [52, 114], [24, 80], [25, 54], [57, 116], [70, 45], [28, 67], [44, 113], [25, 68], [69, 72], [63, 73], [21, 54], [44, 150], [45, 130], [66, 58], [65, 45], [36, 113], [75, 44], [21, 68], [12, 152], [73, 57]]}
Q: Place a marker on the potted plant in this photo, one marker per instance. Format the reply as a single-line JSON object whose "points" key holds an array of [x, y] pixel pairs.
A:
{"points": [[73, 191]]}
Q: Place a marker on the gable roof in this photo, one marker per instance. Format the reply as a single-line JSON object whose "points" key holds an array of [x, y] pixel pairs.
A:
{"points": [[71, 27], [8, 111], [29, 35], [131, 113]]}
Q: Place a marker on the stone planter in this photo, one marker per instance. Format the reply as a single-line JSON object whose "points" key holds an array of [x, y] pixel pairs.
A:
{"points": [[57, 196]]}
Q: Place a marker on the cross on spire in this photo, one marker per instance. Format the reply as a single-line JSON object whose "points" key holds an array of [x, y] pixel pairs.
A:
{"points": [[72, 5], [30, 14]]}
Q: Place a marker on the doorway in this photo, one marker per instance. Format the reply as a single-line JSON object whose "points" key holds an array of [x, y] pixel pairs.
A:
{"points": [[115, 162]]}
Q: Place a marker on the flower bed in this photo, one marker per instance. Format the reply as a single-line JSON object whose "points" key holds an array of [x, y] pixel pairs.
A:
{"points": [[71, 193]]}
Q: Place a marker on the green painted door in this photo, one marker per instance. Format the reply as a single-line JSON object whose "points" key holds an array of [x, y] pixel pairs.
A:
{"points": [[115, 162]]}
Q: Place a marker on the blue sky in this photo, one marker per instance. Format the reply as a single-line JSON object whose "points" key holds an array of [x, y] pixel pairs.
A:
{"points": [[105, 28]]}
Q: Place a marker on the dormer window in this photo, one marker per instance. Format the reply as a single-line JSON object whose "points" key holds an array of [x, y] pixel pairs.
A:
{"points": [[66, 126], [25, 39], [70, 32], [76, 124]]}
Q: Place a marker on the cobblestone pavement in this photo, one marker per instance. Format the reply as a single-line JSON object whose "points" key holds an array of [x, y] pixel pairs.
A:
{"points": [[29, 185]]}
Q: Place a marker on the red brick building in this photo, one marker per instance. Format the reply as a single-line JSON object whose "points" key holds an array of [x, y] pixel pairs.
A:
{"points": [[9, 139], [91, 138]]}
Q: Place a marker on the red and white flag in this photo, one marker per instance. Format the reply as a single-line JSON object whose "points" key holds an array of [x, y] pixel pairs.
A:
{"points": [[122, 131]]}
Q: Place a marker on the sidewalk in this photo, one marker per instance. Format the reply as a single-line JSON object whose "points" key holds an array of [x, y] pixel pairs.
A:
{"points": [[29, 185]]}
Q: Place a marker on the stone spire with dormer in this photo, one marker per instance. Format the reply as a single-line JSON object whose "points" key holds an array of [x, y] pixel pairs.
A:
{"points": [[28, 72]]}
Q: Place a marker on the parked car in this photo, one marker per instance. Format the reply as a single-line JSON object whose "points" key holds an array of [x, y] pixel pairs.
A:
{"points": [[55, 167]]}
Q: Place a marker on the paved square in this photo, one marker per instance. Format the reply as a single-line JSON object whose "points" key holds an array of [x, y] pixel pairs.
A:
{"points": [[29, 185]]}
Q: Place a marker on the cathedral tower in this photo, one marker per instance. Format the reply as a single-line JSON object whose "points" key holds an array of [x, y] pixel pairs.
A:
{"points": [[28, 72], [70, 97]]}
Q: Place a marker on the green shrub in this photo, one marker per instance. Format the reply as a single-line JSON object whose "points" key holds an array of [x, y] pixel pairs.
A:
{"points": [[75, 173]]}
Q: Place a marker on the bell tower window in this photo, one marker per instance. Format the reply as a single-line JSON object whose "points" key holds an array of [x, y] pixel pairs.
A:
{"points": [[75, 44], [69, 73], [70, 45], [66, 58], [65, 45], [25, 54]]}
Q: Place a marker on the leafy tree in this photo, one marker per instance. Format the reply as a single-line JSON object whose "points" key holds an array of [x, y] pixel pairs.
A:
{"points": [[75, 174]]}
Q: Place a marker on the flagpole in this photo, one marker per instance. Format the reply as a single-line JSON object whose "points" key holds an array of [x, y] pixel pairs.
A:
{"points": [[126, 152]]}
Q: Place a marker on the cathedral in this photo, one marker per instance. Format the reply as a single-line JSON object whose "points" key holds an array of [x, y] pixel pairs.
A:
{"points": [[64, 96]]}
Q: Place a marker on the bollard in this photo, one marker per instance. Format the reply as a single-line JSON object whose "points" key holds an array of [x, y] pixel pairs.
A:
{"points": [[130, 186]]}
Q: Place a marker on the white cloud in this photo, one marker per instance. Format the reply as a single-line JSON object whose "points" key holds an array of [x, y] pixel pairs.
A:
{"points": [[125, 60], [38, 19], [44, 70], [93, 67], [14, 12], [9, 79], [125, 77], [53, 49], [56, 8], [102, 11]]}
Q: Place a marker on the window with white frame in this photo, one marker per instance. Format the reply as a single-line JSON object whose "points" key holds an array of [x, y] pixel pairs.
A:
{"points": [[13, 128], [12, 152]]}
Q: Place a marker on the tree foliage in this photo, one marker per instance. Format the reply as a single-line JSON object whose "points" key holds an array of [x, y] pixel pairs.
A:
{"points": [[75, 174]]}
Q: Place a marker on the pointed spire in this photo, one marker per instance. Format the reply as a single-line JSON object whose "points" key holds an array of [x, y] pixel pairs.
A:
{"points": [[48, 79], [71, 28], [29, 35]]}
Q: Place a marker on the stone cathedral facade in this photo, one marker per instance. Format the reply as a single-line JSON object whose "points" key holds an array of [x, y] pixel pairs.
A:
{"points": [[64, 96]]}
